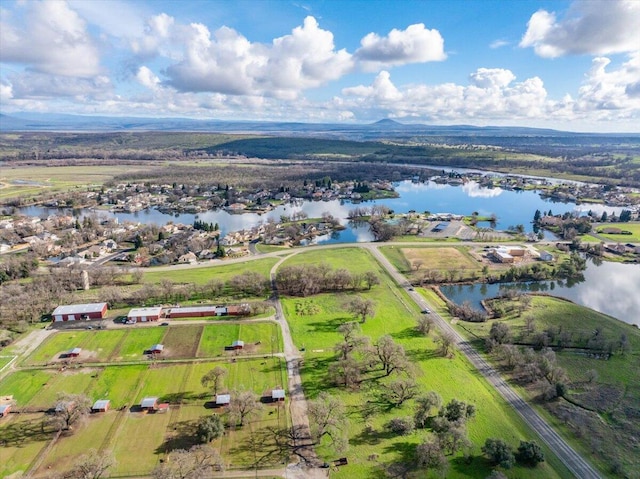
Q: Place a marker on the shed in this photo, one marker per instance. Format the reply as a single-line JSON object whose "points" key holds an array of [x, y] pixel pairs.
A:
{"points": [[141, 315], [4, 409], [73, 312], [101, 405], [277, 394], [74, 353], [223, 399], [237, 344], [163, 407], [156, 348], [546, 256], [149, 403]]}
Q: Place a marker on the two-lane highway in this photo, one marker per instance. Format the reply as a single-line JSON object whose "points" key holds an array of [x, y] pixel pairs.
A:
{"points": [[574, 461]]}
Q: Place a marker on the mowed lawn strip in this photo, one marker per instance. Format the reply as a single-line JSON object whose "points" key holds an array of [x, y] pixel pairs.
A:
{"points": [[116, 383], [138, 443], [88, 435], [137, 341], [182, 341], [101, 344], [22, 439], [24, 385], [57, 344], [71, 381], [220, 271], [163, 381]]}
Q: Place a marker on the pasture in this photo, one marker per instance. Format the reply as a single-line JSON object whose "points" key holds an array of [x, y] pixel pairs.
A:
{"points": [[633, 228], [153, 434], [220, 271], [368, 414]]}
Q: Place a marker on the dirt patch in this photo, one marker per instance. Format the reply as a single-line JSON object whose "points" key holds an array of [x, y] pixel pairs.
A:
{"points": [[438, 258]]}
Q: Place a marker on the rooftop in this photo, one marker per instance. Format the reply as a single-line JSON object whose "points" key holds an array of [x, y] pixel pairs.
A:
{"points": [[79, 308]]}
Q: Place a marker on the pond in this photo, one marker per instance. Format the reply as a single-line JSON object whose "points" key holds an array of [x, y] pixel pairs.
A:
{"points": [[611, 288], [511, 208]]}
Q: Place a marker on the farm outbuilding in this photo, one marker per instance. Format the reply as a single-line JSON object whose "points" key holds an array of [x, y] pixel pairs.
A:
{"points": [[101, 405], [4, 409], [277, 394], [193, 312], [156, 349], [223, 399], [74, 312], [74, 353], [149, 404], [237, 344], [238, 309], [141, 315]]}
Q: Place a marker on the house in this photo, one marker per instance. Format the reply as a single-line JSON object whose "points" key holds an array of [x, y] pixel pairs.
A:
{"points": [[74, 353], [156, 349], [277, 395], [101, 405], [74, 312], [501, 255], [546, 256], [149, 404], [223, 399], [142, 315], [237, 344], [189, 257], [4, 409]]}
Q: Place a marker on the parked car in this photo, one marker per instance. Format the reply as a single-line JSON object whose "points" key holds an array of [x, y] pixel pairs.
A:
{"points": [[164, 324]]}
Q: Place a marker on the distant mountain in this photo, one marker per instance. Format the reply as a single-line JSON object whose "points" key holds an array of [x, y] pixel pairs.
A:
{"points": [[385, 128]]}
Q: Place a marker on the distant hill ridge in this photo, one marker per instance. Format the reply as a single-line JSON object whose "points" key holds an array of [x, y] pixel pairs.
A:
{"points": [[386, 127]]}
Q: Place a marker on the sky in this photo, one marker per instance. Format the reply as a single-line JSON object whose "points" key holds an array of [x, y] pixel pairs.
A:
{"points": [[570, 65]]}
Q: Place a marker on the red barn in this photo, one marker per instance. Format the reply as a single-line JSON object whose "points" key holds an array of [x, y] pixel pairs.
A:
{"points": [[237, 344], [101, 405], [141, 315], [74, 353], [73, 312], [192, 312], [149, 404], [4, 409]]}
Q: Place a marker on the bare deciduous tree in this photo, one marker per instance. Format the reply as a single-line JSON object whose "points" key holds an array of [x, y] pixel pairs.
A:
{"points": [[328, 418], [214, 378], [92, 465], [70, 409], [361, 308], [195, 463], [243, 405], [391, 355]]}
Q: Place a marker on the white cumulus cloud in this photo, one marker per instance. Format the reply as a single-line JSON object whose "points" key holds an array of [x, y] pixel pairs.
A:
{"points": [[53, 39], [229, 63], [592, 27], [415, 44]]}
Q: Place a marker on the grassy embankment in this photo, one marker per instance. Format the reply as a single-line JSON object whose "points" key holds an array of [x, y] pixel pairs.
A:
{"points": [[370, 442], [599, 415], [633, 228]]}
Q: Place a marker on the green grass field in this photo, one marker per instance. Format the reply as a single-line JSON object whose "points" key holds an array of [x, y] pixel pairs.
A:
{"points": [[449, 377], [137, 341], [634, 228], [58, 344], [220, 272], [22, 440], [117, 384], [614, 394], [24, 385]]}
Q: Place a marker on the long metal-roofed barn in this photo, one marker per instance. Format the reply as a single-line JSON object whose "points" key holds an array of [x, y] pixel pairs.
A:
{"points": [[73, 312]]}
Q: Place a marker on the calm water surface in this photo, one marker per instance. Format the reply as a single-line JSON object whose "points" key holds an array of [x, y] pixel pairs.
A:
{"points": [[611, 288], [511, 208]]}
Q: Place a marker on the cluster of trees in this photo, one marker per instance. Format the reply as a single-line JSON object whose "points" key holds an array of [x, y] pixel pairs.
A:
{"points": [[204, 226], [17, 266], [500, 454], [305, 280], [466, 312]]}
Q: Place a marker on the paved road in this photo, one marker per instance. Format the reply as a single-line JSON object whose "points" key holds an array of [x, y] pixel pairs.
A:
{"points": [[574, 461]]}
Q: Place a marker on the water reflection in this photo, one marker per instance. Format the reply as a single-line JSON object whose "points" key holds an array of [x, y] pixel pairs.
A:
{"points": [[611, 288]]}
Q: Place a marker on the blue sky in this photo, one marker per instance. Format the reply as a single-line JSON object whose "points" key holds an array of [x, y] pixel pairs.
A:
{"points": [[572, 65]]}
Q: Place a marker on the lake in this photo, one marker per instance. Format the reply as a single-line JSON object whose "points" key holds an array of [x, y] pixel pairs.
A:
{"points": [[511, 208], [611, 288]]}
